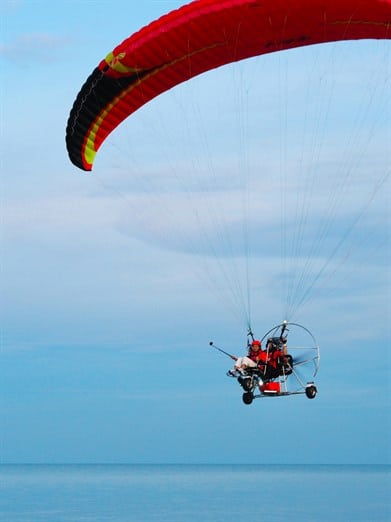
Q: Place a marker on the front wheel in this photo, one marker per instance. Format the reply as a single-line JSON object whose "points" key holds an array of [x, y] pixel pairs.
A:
{"points": [[247, 397], [246, 383], [311, 391]]}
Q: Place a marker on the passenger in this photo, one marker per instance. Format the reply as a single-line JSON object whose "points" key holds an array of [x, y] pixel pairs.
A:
{"points": [[252, 359], [270, 361]]}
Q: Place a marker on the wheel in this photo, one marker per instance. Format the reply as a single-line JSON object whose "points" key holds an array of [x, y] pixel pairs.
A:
{"points": [[248, 397], [311, 391], [246, 383]]}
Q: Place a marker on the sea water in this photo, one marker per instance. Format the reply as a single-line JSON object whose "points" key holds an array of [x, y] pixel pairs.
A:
{"points": [[193, 493]]}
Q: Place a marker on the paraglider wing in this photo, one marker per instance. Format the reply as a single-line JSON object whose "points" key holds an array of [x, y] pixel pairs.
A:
{"points": [[201, 36]]}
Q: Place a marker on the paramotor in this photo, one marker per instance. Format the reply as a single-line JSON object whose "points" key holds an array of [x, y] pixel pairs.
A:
{"points": [[288, 367]]}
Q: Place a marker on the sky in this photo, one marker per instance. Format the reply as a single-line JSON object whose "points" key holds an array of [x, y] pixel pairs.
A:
{"points": [[272, 175]]}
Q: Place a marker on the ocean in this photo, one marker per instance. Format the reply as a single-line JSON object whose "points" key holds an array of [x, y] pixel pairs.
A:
{"points": [[194, 493]]}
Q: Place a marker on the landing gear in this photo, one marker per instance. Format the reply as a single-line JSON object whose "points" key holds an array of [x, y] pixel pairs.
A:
{"points": [[311, 391], [248, 397], [247, 383]]}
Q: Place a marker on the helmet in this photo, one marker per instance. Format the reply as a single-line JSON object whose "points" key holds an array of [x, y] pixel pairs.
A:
{"points": [[256, 343]]}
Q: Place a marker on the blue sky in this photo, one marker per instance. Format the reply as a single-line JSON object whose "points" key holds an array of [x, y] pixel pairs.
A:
{"points": [[109, 292]]}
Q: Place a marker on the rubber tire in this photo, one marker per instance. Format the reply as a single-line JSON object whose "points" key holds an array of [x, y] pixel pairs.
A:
{"points": [[247, 384], [247, 397], [311, 392]]}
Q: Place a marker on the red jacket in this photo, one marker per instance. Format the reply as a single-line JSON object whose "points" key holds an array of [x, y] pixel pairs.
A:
{"points": [[274, 358], [254, 355], [264, 357]]}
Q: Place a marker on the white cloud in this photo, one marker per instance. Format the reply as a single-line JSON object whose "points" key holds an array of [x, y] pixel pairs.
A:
{"points": [[33, 48], [10, 5]]}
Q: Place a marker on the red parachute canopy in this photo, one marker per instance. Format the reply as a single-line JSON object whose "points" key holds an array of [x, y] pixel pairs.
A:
{"points": [[200, 36]]}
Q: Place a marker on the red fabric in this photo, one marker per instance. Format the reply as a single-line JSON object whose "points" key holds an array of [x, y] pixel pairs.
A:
{"points": [[254, 354], [263, 357], [205, 34], [274, 358]]}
